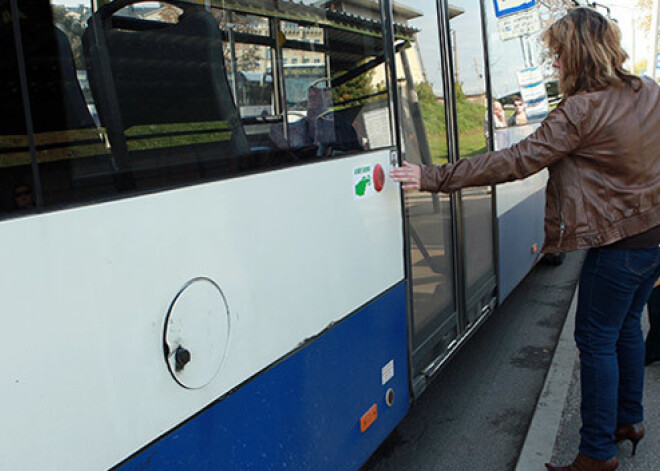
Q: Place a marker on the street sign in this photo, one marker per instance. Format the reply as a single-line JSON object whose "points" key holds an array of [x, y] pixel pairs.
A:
{"points": [[520, 24], [507, 7], [533, 93]]}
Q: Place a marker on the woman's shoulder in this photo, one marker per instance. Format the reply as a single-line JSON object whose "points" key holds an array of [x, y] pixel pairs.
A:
{"points": [[586, 103], [575, 107]]}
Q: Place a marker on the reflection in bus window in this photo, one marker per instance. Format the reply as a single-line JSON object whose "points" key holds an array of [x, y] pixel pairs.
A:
{"points": [[522, 79], [424, 131], [469, 78], [136, 96], [473, 132]]}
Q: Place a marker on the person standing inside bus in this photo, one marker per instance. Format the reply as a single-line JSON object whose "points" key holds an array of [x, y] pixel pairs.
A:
{"points": [[601, 147]]}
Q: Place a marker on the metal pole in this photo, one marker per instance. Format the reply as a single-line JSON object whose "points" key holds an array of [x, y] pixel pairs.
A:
{"points": [[652, 63], [633, 56]]}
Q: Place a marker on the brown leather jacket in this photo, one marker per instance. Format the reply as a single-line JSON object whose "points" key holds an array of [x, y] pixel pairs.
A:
{"points": [[602, 150]]}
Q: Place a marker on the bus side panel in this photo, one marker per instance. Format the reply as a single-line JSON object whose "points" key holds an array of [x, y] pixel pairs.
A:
{"points": [[87, 292], [303, 413], [520, 210]]}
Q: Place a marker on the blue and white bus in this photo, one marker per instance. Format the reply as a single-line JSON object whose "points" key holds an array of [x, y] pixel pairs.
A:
{"points": [[201, 272]]}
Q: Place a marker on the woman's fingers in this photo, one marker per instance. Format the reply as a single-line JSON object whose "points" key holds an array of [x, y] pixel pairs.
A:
{"points": [[410, 175]]}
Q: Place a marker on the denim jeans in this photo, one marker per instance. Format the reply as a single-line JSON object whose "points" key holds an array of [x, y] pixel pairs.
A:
{"points": [[614, 287]]}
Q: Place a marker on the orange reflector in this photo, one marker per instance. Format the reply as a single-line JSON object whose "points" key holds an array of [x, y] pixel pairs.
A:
{"points": [[369, 418], [535, 247]]}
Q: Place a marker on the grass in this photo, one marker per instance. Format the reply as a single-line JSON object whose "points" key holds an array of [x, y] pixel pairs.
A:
{"points": [[470, 118]]}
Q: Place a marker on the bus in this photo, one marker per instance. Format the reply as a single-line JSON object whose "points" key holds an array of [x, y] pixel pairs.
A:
{"points": [[206, 265]]}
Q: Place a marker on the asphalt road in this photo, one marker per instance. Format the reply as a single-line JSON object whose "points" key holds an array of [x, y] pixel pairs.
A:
{"points": [[476, 413]]}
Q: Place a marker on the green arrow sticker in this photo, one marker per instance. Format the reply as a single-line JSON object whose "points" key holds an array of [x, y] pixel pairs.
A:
{"points": [[362, 182]]}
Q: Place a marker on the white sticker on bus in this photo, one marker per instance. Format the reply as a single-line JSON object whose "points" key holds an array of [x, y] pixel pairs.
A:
{"points": [[387, 372], [363, 182]]}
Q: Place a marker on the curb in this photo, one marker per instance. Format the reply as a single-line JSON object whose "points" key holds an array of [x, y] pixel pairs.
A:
{"points": [[542, 433]]}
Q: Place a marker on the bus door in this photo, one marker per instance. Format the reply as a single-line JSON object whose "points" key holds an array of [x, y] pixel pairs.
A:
{"points": [[435, 325], [475, 205]]}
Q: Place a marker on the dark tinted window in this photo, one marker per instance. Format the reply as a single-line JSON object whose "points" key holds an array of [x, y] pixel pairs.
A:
{"points": [[154, 95]]}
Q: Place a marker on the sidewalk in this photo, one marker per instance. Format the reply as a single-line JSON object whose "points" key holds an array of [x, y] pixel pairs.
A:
{"points": [[553, 434]]}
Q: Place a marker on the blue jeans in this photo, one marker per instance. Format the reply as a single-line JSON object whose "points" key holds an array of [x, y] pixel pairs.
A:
{"points": [[614, 287]]}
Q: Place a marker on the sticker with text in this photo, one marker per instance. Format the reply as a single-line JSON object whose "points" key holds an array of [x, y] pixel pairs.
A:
{"points": [[363, 185]]}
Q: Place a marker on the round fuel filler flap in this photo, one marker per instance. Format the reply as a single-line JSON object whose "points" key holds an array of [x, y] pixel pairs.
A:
{"points": [[196, 334]]}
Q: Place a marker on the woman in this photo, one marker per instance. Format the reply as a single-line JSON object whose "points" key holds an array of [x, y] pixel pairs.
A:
{"points": [[498, 114], [601, 147]]}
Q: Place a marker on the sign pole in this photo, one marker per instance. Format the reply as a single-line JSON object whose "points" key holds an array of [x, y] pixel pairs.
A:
{"points": [[653, 61]]}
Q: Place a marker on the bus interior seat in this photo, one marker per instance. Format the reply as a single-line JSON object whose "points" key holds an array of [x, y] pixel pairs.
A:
{"points": [[335, 134], [161, 89], [329, 131], [56, 99]]}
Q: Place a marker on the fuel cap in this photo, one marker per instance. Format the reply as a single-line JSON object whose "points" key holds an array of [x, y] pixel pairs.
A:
{"points": [[196, 334]]}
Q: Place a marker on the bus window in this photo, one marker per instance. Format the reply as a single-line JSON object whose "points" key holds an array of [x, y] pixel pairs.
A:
{"points": [[335, 88], [57, 108], [523, 82], [138, 96], [249, 64]]}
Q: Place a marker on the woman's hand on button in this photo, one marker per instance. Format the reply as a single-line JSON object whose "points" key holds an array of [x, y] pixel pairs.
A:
{"points": [[409, 175]]}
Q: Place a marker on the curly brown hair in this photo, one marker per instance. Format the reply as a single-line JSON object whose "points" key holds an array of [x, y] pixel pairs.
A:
{"points": [[590, 52]]}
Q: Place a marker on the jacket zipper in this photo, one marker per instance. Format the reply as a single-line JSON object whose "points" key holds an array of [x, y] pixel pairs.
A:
{"points": [[562, 225]]}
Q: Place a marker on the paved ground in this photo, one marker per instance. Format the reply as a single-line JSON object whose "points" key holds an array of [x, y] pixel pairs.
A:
{"points": [[558, 414], [476, 414]]}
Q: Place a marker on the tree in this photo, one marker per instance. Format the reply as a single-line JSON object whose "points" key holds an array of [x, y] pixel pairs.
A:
{"points": [[360, 87], [645, 23], [645, 7], [249, 59], [73, 25]]}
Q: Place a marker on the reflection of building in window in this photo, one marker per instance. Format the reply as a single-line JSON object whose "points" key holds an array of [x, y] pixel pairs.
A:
{"points": [[301, 33], [402, 15]]}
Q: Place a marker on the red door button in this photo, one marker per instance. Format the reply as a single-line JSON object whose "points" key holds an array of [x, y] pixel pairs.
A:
{"points": [[379, 177]]}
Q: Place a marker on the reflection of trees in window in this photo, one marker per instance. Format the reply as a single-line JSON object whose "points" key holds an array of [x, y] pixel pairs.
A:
{"points": [[433, 113], [470, 118], [72, 22], [353, 90], [249, 59]]}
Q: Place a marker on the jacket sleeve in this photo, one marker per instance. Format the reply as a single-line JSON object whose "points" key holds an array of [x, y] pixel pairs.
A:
{"points": [[559, 134]]}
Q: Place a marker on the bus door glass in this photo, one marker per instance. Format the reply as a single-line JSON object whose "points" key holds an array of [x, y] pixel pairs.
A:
{"points": [[472, 123], [524, 90], [424, 130]]}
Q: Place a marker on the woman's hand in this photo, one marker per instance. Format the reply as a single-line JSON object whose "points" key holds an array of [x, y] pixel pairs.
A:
{"points": [[410, 175]]}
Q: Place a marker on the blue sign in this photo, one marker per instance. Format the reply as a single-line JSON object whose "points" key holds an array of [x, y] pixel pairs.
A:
{"points": [[507, 7]]}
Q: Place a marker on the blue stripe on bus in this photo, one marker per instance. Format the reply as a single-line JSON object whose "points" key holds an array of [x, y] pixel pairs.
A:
{"points": [[515, 246], [303, 413]]}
